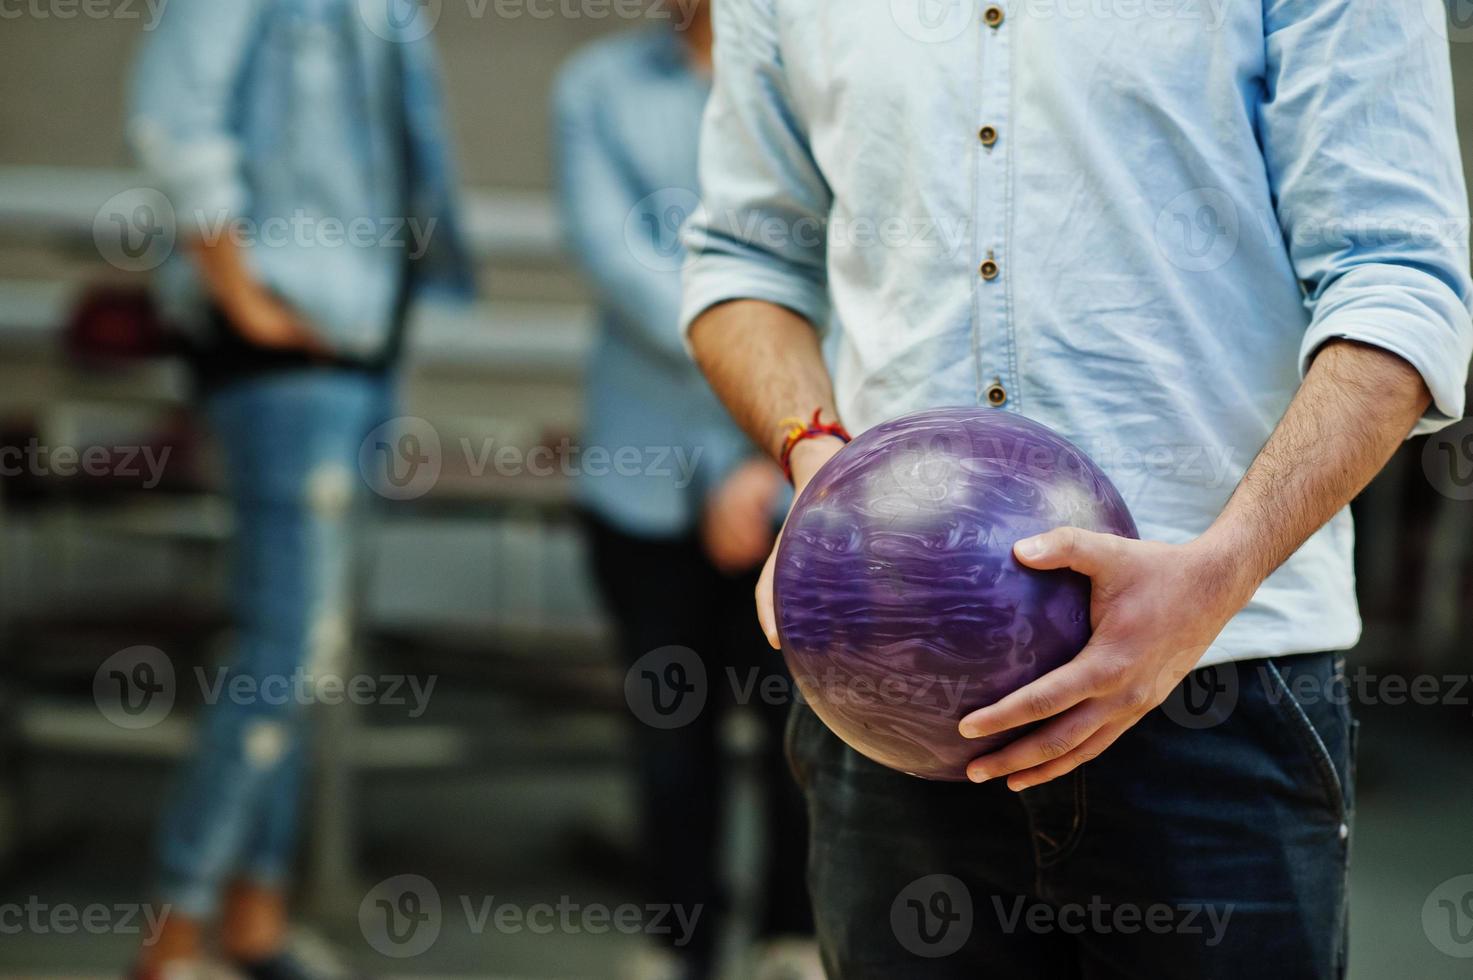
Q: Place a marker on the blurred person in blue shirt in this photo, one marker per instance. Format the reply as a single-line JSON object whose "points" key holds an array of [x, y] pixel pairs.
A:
{"points": [[677, 542], [301, 146]]}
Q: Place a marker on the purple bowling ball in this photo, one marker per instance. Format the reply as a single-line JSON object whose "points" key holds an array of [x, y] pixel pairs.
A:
{"points": [[900, 605]]}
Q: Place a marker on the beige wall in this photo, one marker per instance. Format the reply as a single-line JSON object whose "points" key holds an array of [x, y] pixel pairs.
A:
{"points": [[63, 82]]}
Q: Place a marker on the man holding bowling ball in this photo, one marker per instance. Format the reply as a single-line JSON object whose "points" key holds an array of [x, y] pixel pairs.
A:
{"points": [[1221, 248]]}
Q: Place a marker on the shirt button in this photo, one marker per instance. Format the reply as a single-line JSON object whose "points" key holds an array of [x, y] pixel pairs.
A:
{"points": [[997, 395], [988, 135], [988, 269], [992, 16]]}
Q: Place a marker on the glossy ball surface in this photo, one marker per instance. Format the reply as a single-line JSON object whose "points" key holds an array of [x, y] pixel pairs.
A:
{"points": [[899, 603]]}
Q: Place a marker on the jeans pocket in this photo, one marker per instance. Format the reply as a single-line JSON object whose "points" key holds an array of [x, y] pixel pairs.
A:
{"points": [[1304, 696]]}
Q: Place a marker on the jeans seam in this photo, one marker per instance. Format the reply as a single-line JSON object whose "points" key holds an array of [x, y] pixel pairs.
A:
{"points": [[791, 747], [1038, 863], [1310, 738], [1076, 831]]}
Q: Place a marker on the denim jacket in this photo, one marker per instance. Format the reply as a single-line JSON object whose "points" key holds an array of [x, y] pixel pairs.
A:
{"points": [[315, 130]]}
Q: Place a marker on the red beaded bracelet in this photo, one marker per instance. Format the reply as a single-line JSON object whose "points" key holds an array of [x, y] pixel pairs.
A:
{"points": [[799, 430]]}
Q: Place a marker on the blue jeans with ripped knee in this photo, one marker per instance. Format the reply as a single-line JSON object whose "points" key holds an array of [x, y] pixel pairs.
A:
{"points": [[291, 442]]}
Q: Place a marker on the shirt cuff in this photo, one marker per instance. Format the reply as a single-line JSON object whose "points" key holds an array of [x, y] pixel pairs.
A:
{"points": [[200, 176], [712, 279], [1410, 314]]}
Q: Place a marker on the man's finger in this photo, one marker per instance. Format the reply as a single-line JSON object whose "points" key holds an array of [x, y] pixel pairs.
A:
{"points": [[1089, 749], [1054, 741], [1086, 552], [1056, 691], [765, 614]]}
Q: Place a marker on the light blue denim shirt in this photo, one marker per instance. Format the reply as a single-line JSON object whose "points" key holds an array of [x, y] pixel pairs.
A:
{"points": [[317, 125], [1132, 221], [627, 119]]}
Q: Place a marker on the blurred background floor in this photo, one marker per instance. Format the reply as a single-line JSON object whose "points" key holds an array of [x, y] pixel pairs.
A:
{"points": [[529, 838]]}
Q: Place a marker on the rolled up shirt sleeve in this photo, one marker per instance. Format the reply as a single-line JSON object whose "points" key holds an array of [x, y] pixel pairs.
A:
{"points": [[1362, 154], [182, 98], [761, 231]]}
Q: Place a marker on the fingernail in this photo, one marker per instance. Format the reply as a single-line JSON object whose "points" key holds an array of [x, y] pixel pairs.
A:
{"points": [[977, 776], [1031, 547]]}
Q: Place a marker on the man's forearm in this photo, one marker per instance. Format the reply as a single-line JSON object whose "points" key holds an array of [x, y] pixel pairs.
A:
{"points": [[765, 364], [223, 267], [1356, 405]]}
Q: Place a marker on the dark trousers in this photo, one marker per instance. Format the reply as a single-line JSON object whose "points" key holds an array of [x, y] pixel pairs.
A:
{"points": [[1211, 840], [664, 593]]}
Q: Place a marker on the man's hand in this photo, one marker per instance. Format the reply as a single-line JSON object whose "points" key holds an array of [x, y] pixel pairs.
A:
{"points": [[736, 527], [809, 456], [251, 309], [266, 321], [1155, 609]]}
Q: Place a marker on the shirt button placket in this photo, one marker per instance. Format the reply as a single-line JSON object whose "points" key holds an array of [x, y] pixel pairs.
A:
{"points": [[995, 361]]}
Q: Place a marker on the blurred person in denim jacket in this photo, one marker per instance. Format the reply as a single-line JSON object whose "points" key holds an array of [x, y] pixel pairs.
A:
{"points": [[677, 542], [301, 145]]}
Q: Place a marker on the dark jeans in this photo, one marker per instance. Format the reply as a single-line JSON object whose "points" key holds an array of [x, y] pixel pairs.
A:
{"points": [[1201, 844], [663, 593]]}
